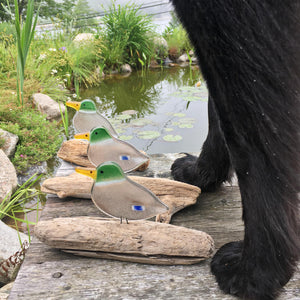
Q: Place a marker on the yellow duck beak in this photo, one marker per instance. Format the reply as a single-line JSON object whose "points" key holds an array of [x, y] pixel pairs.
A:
{"points": [[82, 136], [87, 172], [73, 104]]}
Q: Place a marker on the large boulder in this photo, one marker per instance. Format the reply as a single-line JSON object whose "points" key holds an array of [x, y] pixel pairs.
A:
{"points": [[8, 176], [10, 144], [48, 106]]}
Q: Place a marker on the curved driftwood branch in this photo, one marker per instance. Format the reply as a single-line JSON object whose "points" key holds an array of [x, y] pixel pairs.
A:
{"points": [[137, 241], [75, 151], [176, 195]]}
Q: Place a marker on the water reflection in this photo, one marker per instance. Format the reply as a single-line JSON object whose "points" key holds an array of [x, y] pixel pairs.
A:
{"points": [[167, 103]]}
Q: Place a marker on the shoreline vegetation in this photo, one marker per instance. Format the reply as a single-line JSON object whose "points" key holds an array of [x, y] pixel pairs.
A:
{"points": [[60, 64]]}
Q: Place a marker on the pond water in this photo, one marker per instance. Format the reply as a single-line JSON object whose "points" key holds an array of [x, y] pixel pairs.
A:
{"points": [[169, 110]]}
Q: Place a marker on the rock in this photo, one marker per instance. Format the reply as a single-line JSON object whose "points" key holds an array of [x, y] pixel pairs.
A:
{"points": [[183, 58], [8, 176], [83, 38], [5, 291], [10, 144], [167, 61], [11, 254], [126, 68], [10, 241], [48, 106], [37, 169]]}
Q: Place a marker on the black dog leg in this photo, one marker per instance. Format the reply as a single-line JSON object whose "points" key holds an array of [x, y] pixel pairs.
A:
{"points": [[212, 167]]}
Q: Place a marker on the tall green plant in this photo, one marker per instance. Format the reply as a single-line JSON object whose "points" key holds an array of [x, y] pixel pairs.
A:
{"points": [[25, 33], [127, 37]]}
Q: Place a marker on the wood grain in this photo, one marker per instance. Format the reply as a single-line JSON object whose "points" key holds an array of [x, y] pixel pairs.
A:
{"points": [[176, 195], [138, 241]]}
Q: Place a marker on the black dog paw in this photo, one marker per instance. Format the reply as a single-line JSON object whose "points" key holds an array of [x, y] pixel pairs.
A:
{"points": [[182, 168], [196, 171], [242, 276]]}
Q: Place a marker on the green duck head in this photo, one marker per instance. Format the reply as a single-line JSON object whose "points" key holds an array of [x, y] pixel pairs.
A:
{"points": [[96, 135], [86, 105], [108, 171]]}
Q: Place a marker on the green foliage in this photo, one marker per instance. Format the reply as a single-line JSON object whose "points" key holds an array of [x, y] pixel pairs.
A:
{"points": [[68, 62], [25, 35], [2, 142], [178, 40], [16, 203], [39, 139], [127, 36]]}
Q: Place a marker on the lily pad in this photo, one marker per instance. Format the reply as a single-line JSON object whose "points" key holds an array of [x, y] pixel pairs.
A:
{"points": [[180, 115], [148, 134], [126, 137], [175, 123], [186, 125], [188, 88], [172, 138], [169, 129], [187, 120], [140, 122], [191, 98]]}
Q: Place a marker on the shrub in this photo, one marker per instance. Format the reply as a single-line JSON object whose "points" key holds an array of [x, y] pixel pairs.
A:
{"points": [[39, 139], [127, 36], [178, 41]]}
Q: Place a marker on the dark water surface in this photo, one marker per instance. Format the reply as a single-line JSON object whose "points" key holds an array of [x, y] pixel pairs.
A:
{"points": [[171, 111]]}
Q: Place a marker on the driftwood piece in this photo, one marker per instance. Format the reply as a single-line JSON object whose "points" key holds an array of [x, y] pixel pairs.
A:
{"points": [[75, 151], [176, 195], [137, 241]]}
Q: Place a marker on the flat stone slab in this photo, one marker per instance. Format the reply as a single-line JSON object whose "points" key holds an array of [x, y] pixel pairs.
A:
{"points": [[48, 273]]}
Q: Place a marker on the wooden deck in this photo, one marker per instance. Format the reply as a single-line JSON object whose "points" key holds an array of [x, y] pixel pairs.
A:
{"points": [[51, 274]]}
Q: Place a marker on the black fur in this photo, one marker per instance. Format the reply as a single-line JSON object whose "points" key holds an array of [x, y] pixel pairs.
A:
{"points": [[249, 53]]}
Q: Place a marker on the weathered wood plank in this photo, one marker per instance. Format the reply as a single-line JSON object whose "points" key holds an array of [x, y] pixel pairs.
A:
{"points": [[48, 273], [55, 275]]}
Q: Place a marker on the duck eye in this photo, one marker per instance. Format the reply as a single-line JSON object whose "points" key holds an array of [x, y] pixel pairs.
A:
{"points": [[91, 172], [101, 172], [96, 132]]}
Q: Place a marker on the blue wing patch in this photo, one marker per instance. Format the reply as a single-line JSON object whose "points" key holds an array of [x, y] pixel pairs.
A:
{"points": [[124, 157], [138, 207]]}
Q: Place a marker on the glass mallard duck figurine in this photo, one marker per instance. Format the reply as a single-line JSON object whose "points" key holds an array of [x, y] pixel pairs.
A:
{"points": [[87, 117], [120, 197], [104, 147]]}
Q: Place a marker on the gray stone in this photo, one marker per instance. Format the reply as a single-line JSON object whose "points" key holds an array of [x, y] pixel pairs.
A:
{"points": [[48, 106], [37, 169], [9, 246], [126, 68], [11, 141], [5, 290], [183, 58], [8, 176]]}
